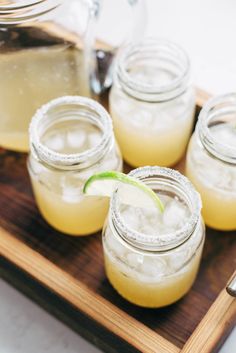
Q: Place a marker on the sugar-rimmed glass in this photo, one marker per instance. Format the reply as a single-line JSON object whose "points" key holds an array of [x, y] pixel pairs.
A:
{"points": [[152, 259], [82, 127]]}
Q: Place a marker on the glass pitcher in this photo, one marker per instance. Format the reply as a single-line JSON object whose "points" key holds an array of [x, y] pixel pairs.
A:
{"points": [[47, 50], [117, 23]]}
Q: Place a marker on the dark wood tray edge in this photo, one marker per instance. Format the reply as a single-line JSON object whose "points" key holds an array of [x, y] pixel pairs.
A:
{"points": [[62, 310], [82, 298]]}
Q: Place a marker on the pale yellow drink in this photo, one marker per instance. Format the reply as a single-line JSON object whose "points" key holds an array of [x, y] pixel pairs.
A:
{"points": [[57, 185], [30, 78], [151, 294], [136, 269], [73, 215], [214, 179], [151, 134]]}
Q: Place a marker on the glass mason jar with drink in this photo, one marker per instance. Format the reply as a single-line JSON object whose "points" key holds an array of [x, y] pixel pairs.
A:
{"points": [[211, 161], [154, 234], [152, 103], [71, 138]]}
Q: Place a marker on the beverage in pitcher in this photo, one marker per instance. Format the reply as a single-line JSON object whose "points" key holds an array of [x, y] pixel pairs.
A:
{"points": [[44, 54], [29, 79]]}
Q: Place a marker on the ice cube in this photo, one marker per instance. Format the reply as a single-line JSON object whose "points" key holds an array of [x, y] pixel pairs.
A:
{"points": [[134, 260], [141, 118], [110, 162], [199, 156], [154, 267], [177, 110], [131, 217], [174, 214], [114, 246], [149, 269], [140, 76], [76, 139], [147, 229], [94, 139], [123, 105], [37, 167], [55, 142], [211, 171], [177, 260], [225, 134], [151, 216], [71, 195], [151, 75], [85, 174], [212, 175], [161, 266], [71, 189], [225, 180], [159, 77]]}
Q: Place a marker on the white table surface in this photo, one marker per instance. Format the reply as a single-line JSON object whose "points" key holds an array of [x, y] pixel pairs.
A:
{"points": [[207, 30]]}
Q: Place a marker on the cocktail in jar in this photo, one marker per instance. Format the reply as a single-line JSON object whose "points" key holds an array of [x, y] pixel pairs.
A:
{"points": [[71, 138], [211, 161], [152, 254], [152, 103]]}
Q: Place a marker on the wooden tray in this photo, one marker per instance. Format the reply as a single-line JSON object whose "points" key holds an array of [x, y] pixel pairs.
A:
{"points": [[66, 276]]}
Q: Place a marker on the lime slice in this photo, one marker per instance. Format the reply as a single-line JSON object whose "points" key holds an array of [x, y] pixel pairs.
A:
{"points": [[131, 191]]}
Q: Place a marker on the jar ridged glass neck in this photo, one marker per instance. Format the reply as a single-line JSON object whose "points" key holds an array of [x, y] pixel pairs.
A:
{"points": [[163, 57], [17, 12], [63, 109], [218, 110], [163, 179]]}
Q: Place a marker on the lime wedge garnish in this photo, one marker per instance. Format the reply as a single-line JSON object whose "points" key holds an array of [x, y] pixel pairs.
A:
{"points": [[131, 191]]}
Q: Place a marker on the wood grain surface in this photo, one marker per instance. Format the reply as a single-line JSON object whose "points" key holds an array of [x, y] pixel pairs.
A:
{"points": [[72, 269]]}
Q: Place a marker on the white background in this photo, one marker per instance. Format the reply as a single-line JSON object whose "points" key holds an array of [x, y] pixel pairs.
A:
{"points": [[207, 30]]}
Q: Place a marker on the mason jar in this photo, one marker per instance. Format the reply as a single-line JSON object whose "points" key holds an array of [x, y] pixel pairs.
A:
{"points": [[152, 258], [152, 103], [71, 138], [211, 161]]}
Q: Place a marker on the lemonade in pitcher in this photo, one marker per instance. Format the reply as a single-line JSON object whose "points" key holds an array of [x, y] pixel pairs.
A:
{"points": [[44, 54]]}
